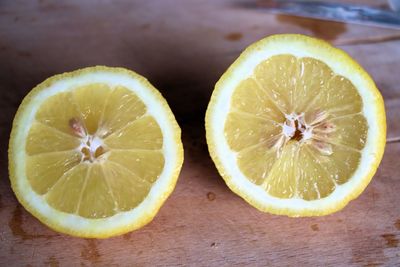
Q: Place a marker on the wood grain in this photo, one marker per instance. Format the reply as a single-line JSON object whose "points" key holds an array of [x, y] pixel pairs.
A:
{"points": [[183, 47]]}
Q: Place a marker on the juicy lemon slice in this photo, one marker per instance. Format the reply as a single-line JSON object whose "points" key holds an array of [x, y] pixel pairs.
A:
{"points": [[296, 127], [94, 152]]}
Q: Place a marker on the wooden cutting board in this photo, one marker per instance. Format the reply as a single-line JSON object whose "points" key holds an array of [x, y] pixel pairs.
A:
{"points": [[183, 47]]}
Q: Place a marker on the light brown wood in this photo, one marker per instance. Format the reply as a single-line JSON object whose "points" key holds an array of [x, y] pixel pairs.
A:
{"points": [[183, 47]]}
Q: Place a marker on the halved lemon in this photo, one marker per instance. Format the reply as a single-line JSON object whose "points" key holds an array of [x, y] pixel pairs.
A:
{"points": [[94, 152], [296, 127]]}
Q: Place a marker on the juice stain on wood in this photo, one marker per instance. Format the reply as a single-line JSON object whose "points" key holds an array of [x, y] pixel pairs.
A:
{"points": [[233, 36], [127, 236], [211, 196], [372, 264], [52, 262], [315, 227], [90, 251], [17, 230], [323, 29], [370, 250], [391, 240], [397, 224]]}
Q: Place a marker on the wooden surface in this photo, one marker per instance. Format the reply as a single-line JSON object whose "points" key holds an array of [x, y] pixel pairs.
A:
{"points": [[183, 47]]}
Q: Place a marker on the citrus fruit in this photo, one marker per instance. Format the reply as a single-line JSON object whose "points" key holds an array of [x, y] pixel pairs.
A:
{"points": [[94, 152], [295, 126]]}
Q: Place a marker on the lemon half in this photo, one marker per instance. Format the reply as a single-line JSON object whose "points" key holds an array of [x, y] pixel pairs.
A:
{"points": [[296, 127], [94, 152]]}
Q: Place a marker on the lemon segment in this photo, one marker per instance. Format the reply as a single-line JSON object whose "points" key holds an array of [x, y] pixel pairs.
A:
{"points": [[65, 194], [58, 111], [256, 162], [277, 76], [44, 170], [44, 139], [146, 164], [313, 181], [143, 133], [281, 178], [312, 81], [90, 101], [129, 190], [122, 107], [350, 131], [250, 98], [96, 199], [243, 131]]}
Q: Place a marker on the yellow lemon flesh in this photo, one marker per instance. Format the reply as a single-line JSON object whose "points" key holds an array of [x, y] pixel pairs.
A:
{"points": [[94, 152], [296, 127]]}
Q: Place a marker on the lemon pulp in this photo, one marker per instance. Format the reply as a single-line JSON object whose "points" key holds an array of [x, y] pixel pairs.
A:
{"points": [[296, 127], [94, 151]]}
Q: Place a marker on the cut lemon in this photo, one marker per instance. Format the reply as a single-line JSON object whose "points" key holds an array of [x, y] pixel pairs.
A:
{"points": [[94, 152], [296, 127]]}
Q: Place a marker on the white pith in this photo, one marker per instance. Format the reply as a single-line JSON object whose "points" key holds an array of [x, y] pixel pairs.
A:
{"points": [[91, 143], [221, 107], [289, 127], [161, 187]]}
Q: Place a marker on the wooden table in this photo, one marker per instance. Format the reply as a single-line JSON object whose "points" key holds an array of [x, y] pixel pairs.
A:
{"points": [[183, 47]]}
